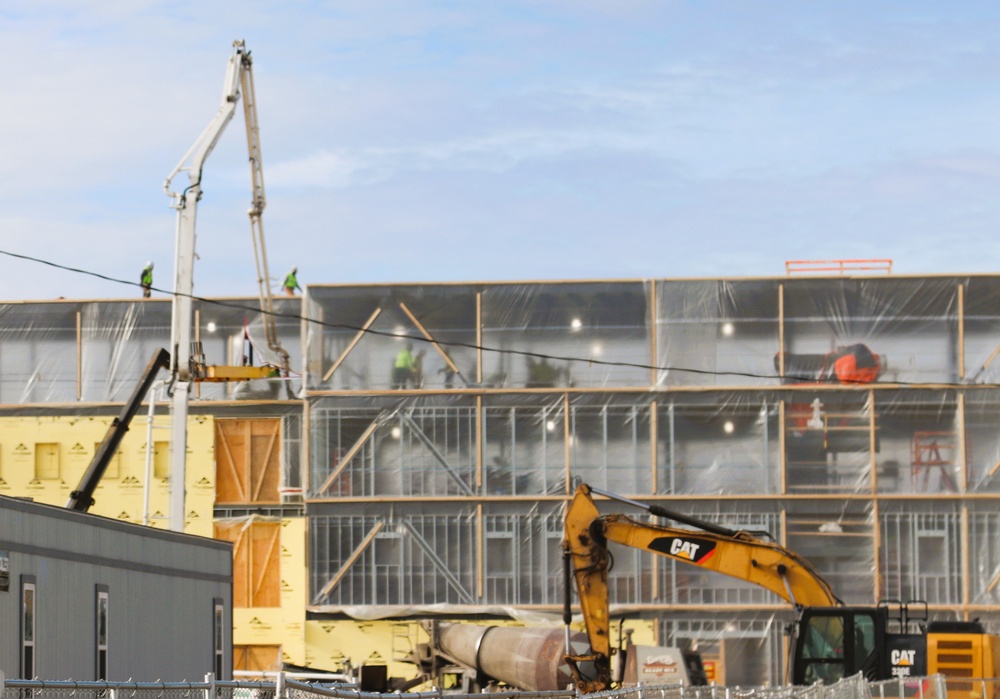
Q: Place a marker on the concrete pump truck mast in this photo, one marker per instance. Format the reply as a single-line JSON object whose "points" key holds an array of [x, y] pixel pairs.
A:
{"points": [[831, 640], [187, 361]]}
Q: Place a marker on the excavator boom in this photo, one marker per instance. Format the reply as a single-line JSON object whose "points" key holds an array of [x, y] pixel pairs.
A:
{"points": [[738, 554]]}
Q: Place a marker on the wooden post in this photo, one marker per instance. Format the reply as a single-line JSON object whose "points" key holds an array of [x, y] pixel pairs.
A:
{"points": [[566, 450], [79, 356], [781, 333], [479, 338], [653, 330], [480, 553], [960, 448], [782, 461], [961, 330], [872, 464], [654, 430]]}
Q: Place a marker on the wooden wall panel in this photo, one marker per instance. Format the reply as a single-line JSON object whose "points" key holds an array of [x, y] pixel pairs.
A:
{"points": [[258, 658], [256, 562], [248, 461]]}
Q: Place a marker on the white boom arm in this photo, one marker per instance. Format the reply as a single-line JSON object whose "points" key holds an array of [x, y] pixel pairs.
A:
{"points": [[256, 209], [238, 74]]}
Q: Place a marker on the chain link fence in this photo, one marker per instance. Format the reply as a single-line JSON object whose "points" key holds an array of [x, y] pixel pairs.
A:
{"points": [[283, 687]]}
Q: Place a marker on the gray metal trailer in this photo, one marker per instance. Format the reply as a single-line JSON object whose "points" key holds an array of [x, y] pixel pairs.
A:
{"points": [[86, 597]]}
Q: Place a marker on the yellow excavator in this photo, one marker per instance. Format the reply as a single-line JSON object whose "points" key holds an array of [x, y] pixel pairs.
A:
{"points": [[831, 640]]}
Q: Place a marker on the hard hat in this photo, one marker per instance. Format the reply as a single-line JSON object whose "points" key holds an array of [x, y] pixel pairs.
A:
{"points": [[295, 270], [150, 265]]}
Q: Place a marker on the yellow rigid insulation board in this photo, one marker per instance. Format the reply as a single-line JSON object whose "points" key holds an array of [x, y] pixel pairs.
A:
{"points": [[44, 458], [332, 645], [294, 589], [282, 625], [255, 626]]}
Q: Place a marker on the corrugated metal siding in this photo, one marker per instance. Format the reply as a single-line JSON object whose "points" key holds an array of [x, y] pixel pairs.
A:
{"points": [[161, 589]]}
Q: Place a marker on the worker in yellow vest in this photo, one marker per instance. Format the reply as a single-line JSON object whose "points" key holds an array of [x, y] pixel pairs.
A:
{"points": [[146, 280], [402, 368]]}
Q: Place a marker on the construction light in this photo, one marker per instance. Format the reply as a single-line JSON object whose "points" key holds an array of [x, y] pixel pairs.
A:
{"points": [[727, 329], [210, 327], [575, 324], [728, 427]]}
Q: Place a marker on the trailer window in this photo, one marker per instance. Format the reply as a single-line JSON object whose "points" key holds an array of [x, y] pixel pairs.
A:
{"points": [[27, 627], [219, 637], [101, 628]]}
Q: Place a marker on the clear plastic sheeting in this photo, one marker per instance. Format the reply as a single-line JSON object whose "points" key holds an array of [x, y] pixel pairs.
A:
{"points": [[917, 434], [837, 536], [38, 353], [232, 333], [828, 441], [610, 441], [744, 648], [414, 558], [717, 333], [981, 326], [436, 554], [720, 442], [359, 334], [530, 330], [910, 325], [390, 447], [96, 351], [397, 551], [117, 341], [982, 440], [524, 445], [984, 553], [923, 556]]}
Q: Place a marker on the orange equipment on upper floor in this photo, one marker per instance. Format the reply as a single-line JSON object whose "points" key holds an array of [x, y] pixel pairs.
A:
{"points": [[851, 364]]}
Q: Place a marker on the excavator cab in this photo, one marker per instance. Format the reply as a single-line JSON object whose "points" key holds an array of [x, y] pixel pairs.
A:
{"points": [[838, 642]]}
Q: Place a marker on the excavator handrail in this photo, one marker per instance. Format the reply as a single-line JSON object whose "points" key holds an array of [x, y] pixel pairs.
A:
{"points": [[738, 554]]}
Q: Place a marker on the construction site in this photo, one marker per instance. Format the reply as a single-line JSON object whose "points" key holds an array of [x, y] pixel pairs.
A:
{"points": [[721, 470], [850, 416]]}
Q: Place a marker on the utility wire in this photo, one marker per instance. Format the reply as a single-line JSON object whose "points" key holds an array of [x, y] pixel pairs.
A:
{"points": [[469, 345]]}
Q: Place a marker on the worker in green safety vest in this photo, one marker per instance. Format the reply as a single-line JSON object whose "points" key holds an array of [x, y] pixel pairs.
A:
{"points": [[291, 283], [402, 368], [146, 280]]}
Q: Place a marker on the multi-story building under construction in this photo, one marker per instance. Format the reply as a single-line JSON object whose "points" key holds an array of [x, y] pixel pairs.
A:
{"points": [[855, 418]]}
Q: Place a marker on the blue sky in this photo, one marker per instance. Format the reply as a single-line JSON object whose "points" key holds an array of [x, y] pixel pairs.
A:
{"points": [[445, 141]]}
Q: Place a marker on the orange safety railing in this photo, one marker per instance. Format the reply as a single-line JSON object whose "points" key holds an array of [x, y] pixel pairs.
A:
{"points": [[837, 266]]}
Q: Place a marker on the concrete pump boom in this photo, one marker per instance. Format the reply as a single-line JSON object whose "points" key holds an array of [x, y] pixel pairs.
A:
{"points": [[186, 366]]}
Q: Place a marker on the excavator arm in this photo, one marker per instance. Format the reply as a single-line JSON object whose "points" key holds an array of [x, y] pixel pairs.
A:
{"points": [[738, 554]]}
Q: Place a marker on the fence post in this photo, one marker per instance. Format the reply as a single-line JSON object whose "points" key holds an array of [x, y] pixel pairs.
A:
{"points": [[210, 689], [279, 685], [941, 686]]}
